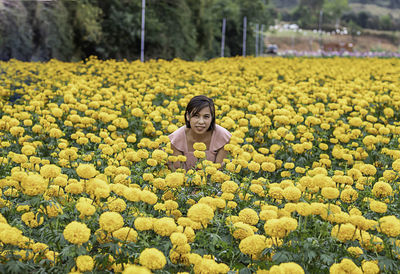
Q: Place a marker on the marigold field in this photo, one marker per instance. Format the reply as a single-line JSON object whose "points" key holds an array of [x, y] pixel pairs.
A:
{"points": [[311, 184]]}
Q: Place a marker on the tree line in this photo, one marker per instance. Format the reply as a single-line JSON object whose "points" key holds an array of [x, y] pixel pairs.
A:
{"points": [[71, 30]]}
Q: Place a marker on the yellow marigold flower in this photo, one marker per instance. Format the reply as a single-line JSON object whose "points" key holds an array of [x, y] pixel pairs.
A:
{"points": [[76, 233], [125, 234], [378, 207], [242, 230], [368, 169], [369, 140], [137, 112], [98, 188], [276, 192], [355, 251], [390, 175], [55, 133], [111, 221], [199, 146], [171, 205], [144, 223], [152, 258], [181, 158], [231, 204], [164, 226], [199, 154], [330, 192], [280, 227], [136, 269], [148, 197], [85, 207], [286, 268], [253, 245], [74, 188], [84, 263], [175, 179], [28, 150], [19, 209], [17, 131], [304, 209], [268, 214], [253, 166], [200, 213], [178, 238], [359, 221], [33, 184], [355, 121], [389, 225], [117, 205], [248, 216], [349, 195], [50, 171], [53, 210], [396, 165], [229, 187], [344, 232], [256, 188], [132, 194], [292, 193], [86, 171], [151, 162], [31, 219], [382, 189], [255, 122], [370, 267]]}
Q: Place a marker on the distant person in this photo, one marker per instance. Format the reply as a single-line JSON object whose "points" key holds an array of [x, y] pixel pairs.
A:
{"points": [[200, 127]]}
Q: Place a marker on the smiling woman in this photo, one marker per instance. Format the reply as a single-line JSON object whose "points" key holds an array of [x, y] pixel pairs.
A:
{"points": [[200, 128]]}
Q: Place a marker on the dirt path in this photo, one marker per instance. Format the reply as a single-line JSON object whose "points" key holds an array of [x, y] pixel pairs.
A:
{"points": [[361, 43]]}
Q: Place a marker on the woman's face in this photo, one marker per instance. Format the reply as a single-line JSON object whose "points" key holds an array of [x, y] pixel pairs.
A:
{"points": [[201, 121]]}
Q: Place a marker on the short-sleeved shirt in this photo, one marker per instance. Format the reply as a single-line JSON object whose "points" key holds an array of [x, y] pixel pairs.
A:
{"points": [[219, 138]]}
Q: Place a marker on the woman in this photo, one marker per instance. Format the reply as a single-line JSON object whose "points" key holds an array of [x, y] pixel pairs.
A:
{"points": [[200, 127]]}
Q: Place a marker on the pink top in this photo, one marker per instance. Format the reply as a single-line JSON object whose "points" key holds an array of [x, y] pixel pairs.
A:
{"points": [[219, 138]]}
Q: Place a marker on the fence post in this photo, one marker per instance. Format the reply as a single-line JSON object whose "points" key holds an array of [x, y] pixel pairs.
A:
{"points": [[262, 40], [257, 34], [142, 36], [223, 37], [244, 35]]}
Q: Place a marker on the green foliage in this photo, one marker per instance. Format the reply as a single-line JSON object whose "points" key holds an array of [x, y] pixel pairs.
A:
{"points": [[54, 33], [15, 31], [73, 30]]}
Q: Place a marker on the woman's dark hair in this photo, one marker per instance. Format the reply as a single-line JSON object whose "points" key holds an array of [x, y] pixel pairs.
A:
{"points": [[196, 104]]}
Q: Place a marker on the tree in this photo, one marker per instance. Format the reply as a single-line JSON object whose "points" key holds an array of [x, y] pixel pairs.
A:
{"points": [[335, 9], [394, 4], [16, 31], [53, 33], [307, 13], [121, 23]]}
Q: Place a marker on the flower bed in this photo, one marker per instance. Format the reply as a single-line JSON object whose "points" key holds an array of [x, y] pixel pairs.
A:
{"points": [[311, 184]]}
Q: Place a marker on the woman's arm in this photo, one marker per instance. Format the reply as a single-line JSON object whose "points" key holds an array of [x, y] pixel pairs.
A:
{"points": [[221, 155], [175, 165]]}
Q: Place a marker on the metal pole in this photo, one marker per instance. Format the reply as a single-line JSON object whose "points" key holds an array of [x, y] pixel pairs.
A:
{"points": [[257, 34], [244, 35], [262, 40], [321, 12], [142, 36], [223, 37]]}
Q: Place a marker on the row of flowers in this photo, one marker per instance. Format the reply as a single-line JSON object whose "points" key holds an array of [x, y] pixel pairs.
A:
{"points": [[310, 184]]}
